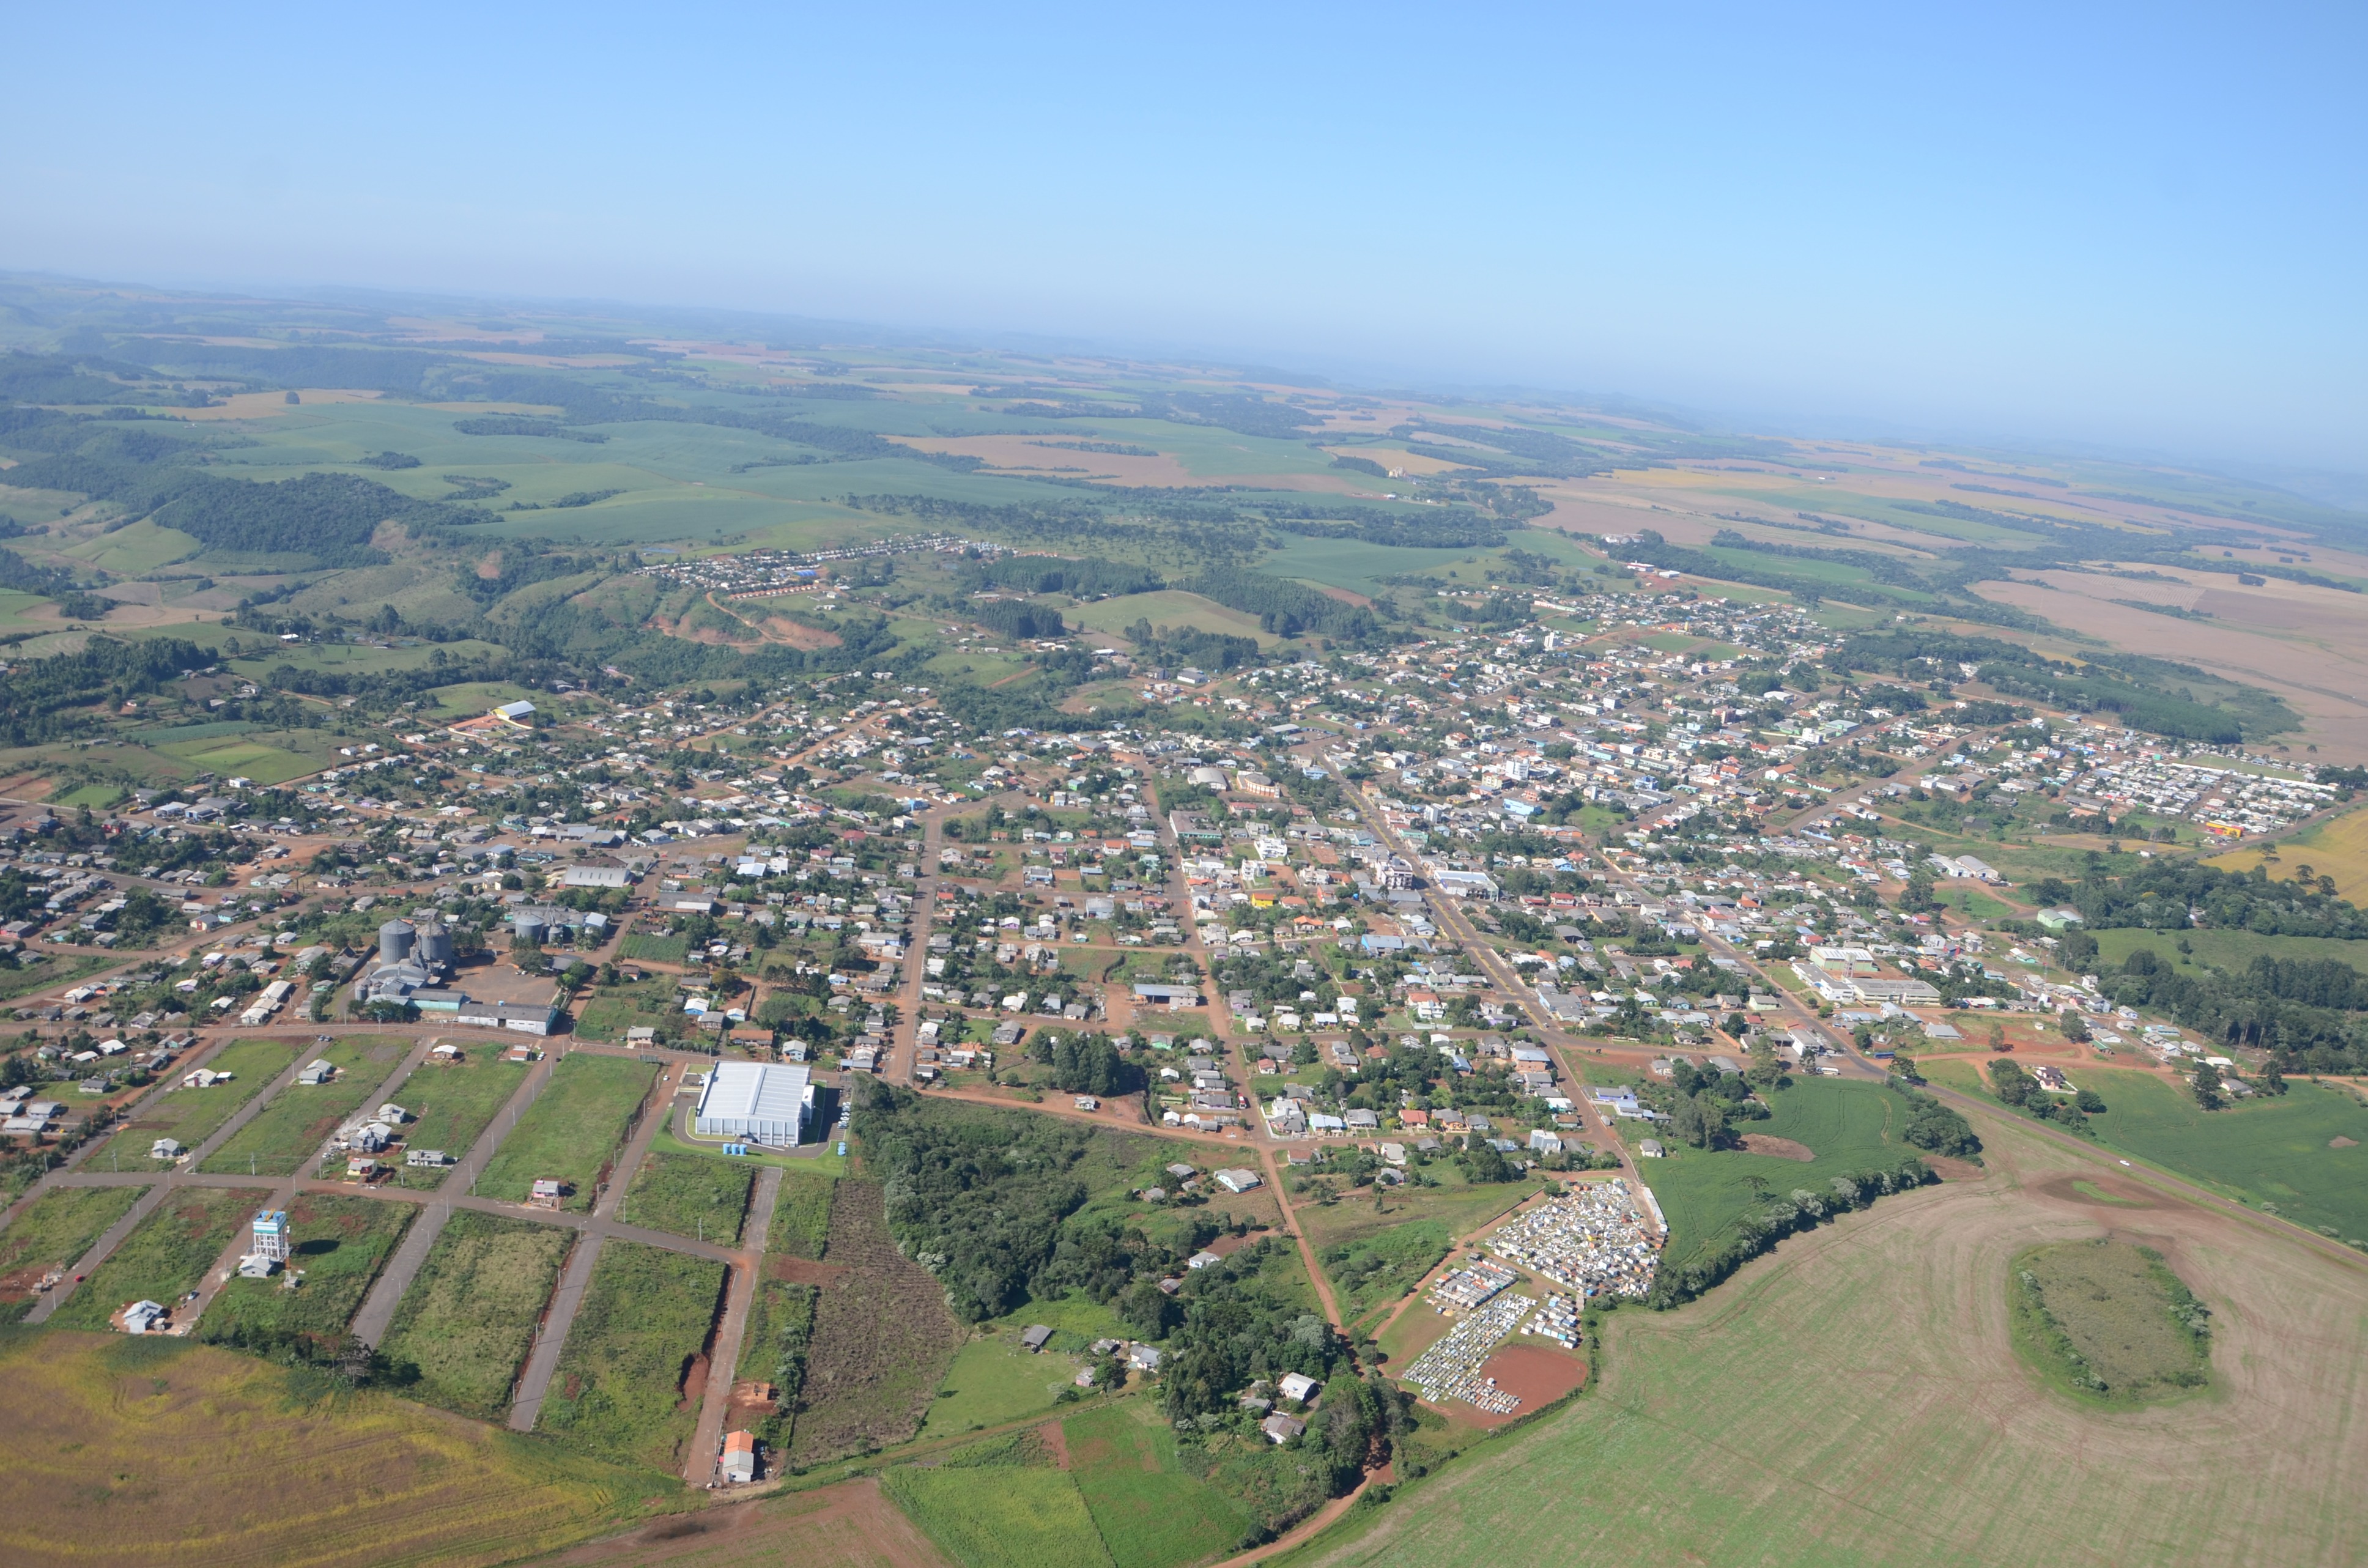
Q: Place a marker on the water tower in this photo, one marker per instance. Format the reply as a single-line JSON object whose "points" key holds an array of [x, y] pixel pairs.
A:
{"points": [[271, 1235]]}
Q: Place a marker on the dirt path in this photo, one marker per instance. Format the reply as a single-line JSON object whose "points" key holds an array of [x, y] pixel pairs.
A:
{"points": [[1306, 1251], [699, 1462], [543, 1360]]}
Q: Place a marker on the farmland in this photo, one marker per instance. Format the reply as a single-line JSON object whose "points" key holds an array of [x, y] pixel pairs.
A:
{"points": [[1167, 607], [1000, 1516], [1704, 1192], [453, 1104], [340, 1244], [121, 1452], [646, 948], [882, 1337], [54, 1232], [629, 1379], [165, 1256], [291, 1129], [1879, 1348], [191, 1116], [2338, 849], [689, 1195], [468, 1320], [2278, 1153], [1150, 1512], [570, 1132]]}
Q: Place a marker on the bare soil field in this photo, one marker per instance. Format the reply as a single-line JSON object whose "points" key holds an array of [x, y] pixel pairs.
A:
{"points": [[883, 1339], [1855, 1398], [1779, 1148], [1536, 1375], [846, 1525]]}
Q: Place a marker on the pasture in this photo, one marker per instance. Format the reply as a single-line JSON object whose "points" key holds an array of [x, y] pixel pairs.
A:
{"points": [[289, 1130], [2338, 849], [165, 1256], [570, 1132], [999, 1516], [630, 1376], [2107, 1320], [1151, 1513], [1855, 1398], [123, 1452], [1352, 564], [994, 1379], [467, 1322], [2221, 948]]}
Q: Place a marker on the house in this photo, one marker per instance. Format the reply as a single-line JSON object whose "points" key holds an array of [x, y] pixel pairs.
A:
{"points": [[1238, 1180], [1034, 1338], [434, 1158], [1545, 1142], [1650, 1149], [739, 1458], [1282, 1428], [547, 1194], [445, 1052], [1144, 1358], [371, 1137], [1088, 1102], [1203, 1260], [1298, 1387], [316, 1073], [145, 1317], [165, 1148]]}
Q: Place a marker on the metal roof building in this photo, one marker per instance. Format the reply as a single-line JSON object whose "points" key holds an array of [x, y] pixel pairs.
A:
{"points": [[763, 1102]]}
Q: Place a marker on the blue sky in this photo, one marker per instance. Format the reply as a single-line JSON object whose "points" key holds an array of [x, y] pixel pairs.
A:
{"points": [[2139, 226]]}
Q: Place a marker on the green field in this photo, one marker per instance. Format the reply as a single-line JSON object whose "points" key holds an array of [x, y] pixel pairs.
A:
{"points": [[166, 1256], [1149, 1511], [2107, 1320], [999, 1516], [453, 1104], [340, 1244], [570, 1132], [359, 657], [97, 797], [1353, 565], [647, 949], [140, 548], [992, 1380], [690, 1195], [2276, 1153], [272, 756], [468, 1320], [56, 1229], [289, 1130], [618, 1391], [1704, 1192], [191, 1116], [802, 1214], [2221, 948], [1167, 607]]}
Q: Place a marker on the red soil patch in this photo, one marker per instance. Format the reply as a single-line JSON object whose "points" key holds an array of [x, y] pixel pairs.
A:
{"points": [[2338, 1141], [1778, 1148], [803, 1271], [1535, 1375], [831, 1526], [797, 635], [694, 1382], [1057, 1443], [1343, 595]]}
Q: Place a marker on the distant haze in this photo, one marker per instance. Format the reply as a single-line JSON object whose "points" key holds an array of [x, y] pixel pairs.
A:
{"points": [[2140, 228]]}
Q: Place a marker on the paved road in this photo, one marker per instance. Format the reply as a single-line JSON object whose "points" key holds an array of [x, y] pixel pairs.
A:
{"points": [[739, 1292]]}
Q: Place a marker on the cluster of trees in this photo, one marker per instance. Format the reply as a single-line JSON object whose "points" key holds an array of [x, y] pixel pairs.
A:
{"points": [[2290, 1007], [49, 700], [1284, 608], [2160, 894], [1085, 1064], [2021, 1090], [1017, 619], [1056, 575], [1931, 1126]]}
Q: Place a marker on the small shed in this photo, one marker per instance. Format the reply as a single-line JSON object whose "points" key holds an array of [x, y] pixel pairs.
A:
{"points": [[1282, 1428], [1035, 1336], [739, 1458], [547, 1194], [165, 1148], [1650, 1149]]}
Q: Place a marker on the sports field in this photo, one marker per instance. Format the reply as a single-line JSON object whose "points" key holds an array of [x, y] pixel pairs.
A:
{"points": [[121, 1452], [1854, 1399]]}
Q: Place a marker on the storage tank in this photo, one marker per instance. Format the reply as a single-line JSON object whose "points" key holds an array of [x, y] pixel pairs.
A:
{"points": [[529, 927], [394, 939], [435, 944]]}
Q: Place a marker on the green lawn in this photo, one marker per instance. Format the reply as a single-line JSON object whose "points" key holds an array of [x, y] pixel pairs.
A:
{"points": [[1702, 1192], [453, 1104], [1151, 1514], [191, 1116], [468, 1320], [54, 1231], [571, 1130], [291, 1129], [618, 1392], [2276, 1153], [999, 1516], [705, 1197], [992, 1380], [340, 1244], [166, 1256], [647, 949]]}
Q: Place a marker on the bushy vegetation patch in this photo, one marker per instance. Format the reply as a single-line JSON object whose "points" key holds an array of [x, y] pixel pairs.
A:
{"points": [[619, 1390], [2110, 1321], [465, 1326]]}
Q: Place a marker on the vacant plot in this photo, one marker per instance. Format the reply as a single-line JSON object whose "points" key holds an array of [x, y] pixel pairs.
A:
{"points": [[123, 1453], [54, 1232], [2221, 948], [999, 1516], [452, 1106], [2109, 1320], [1150, 1512], [647, 949], [1855, 1398], [268, 758], [1704, 1192], [189, 1116], [2336, 849], [2279, 1152], [690, 1195], [630, 1379], [468, 1320], [802, 1214], [291, 1129], [340, 1244], [1167, 607], [572, 1131], [848, 1525], [1374, 1254], [882, 1337], [994, 1379], [166, 1256]]}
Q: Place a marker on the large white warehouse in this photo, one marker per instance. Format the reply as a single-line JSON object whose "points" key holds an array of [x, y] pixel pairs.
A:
{"points": [[762, 1102]]}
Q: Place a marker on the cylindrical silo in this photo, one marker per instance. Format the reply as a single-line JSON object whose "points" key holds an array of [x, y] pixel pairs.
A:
{"points": [[529, 927], [394, 940], [435, 944]]}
